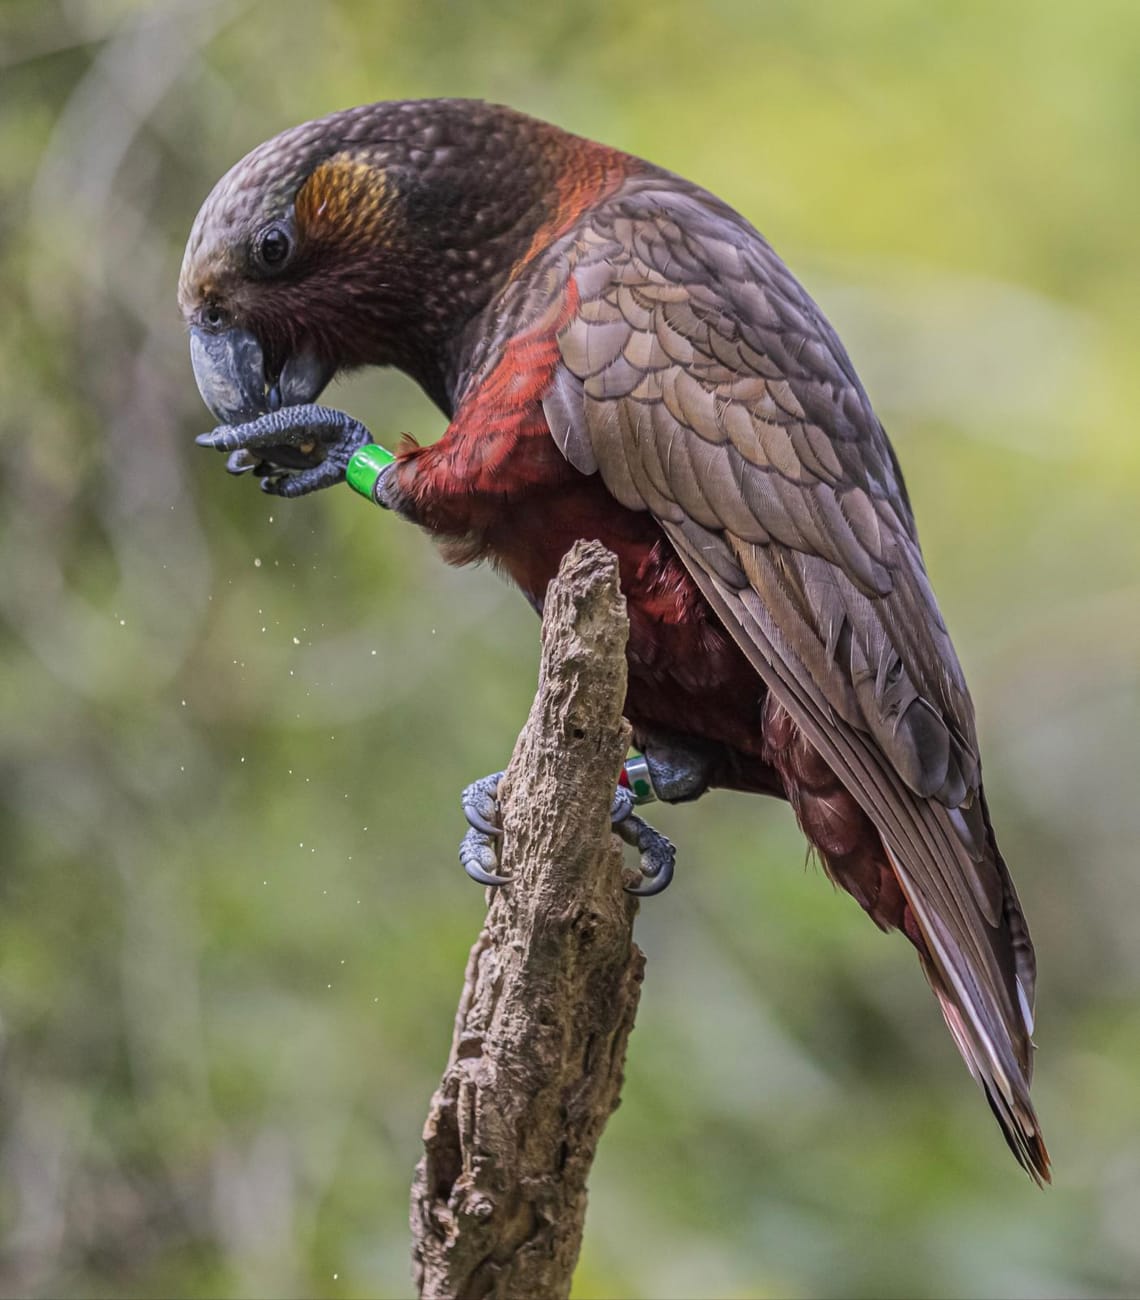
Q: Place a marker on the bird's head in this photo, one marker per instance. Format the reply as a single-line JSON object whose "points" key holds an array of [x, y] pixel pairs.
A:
{"points": [[370, 237]]}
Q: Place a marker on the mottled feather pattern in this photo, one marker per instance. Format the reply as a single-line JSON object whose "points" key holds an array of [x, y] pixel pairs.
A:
{"points": [[733, 414], [688, 432]]}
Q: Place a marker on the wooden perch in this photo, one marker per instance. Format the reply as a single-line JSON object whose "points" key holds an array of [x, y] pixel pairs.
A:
{"points": [[552, 983]]}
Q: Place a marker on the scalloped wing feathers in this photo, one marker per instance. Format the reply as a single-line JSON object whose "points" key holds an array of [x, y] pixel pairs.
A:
{"points": [[704, 385]]}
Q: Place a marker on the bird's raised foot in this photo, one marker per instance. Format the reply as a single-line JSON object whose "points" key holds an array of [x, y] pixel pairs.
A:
{"points": [[295, 450], [479, 852]]}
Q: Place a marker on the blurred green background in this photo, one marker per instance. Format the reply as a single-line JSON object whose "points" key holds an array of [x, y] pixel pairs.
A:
{"points": [[232, 925]]}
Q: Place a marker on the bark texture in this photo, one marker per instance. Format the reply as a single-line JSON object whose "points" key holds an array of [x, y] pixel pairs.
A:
{"points": [[552, 983]]}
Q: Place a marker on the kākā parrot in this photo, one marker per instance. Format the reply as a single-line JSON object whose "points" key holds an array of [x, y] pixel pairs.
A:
{"points": [[621, 356]]}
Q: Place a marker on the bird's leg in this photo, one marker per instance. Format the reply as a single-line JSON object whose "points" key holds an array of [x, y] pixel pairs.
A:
{"points": [[673, 772], [286, 439], [668, 770], [678, 770]]}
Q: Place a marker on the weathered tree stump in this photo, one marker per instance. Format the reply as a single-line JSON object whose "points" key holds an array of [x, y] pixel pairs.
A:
{"points": [[552, 983]]}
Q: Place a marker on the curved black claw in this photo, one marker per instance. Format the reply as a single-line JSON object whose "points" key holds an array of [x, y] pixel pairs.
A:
{"points": [[481, 804], [658, 855], [288, 440], [478, 855], [241, 462]]}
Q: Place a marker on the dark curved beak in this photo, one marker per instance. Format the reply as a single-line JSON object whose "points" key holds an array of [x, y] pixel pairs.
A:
{"points": [[230, 371]]}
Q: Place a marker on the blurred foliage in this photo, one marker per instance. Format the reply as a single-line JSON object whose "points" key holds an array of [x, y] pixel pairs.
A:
{"points": [[232, 926]]}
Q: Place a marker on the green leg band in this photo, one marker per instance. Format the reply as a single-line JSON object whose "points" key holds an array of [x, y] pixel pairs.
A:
{"points": [[366, 466]]}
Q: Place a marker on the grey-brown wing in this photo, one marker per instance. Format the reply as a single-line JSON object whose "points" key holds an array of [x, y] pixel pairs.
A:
{"points": [[704, 385]]}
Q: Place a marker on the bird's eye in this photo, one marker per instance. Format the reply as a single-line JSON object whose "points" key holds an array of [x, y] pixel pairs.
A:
{"points": [[214, 317], [273, 246]]}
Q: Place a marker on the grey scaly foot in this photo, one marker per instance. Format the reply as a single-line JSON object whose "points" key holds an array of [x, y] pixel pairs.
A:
{"points": [[287, 440], [479, 853], [657, 856]]}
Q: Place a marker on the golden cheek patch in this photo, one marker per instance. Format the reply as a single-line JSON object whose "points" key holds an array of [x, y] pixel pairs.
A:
{"points": [[344, 199]]}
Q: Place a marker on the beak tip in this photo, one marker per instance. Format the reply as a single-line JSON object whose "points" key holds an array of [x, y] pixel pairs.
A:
{"points": [[229, 369]]}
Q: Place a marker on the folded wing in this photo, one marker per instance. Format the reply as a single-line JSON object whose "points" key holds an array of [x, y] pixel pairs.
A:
{"points": [[704, 385]]}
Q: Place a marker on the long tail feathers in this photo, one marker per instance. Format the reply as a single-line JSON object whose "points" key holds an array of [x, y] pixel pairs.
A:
{"points": [[998, 1053], [1008, 1097]]}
